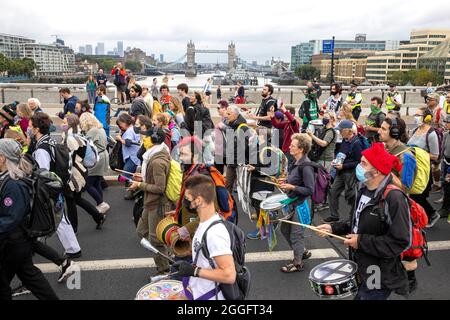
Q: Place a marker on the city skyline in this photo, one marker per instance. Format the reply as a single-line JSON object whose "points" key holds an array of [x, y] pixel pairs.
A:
{"points": [[295, 23]]}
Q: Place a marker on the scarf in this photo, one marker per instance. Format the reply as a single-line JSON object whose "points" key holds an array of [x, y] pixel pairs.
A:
{"points": [[148, 155]]}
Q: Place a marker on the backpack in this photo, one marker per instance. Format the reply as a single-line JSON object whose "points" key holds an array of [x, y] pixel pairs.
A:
{"points": [[61, 159], [157, 108], [418, 246], [316, 150], [91, 156], [227, 207], [365, 144], [240, 289], [422, 174], [174, 182], [322, 181]]}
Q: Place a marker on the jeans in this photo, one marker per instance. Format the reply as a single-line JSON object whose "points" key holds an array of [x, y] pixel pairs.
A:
{"points": [[344, 181], [375, 294], [129, 166], [72, 213], [16, 259], [94, 188], [91, 96], [294, 235]]}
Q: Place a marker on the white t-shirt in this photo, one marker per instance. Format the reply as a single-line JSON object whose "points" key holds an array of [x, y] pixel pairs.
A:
{"points": [[219, 244], [361, 205]]}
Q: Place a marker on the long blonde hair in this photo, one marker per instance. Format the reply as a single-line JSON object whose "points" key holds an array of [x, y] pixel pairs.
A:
{"points": [[177, 106], [88, 121]]}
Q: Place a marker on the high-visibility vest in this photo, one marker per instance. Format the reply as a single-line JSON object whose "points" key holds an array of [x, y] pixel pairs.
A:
{"points": [[390, 105], [357, 97], [446, 107]]}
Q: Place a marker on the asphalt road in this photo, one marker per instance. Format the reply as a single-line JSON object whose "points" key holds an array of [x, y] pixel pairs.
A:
{"points": [[113, 280]]}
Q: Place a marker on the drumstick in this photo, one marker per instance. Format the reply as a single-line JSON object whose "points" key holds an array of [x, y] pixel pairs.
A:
{"points": [[315, 229], [270, 182], [126, 172]]}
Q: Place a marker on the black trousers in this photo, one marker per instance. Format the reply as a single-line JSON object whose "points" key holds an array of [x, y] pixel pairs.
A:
{"points": [[47, 252], [16, 259], [422, 198], [72, 213]]}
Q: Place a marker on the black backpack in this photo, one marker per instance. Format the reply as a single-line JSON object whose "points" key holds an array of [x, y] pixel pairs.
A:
{"points": [[316, 150], [240, 289], [61, 159]]}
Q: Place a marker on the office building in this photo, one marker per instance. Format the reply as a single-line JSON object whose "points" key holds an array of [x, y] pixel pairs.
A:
{"points": [[50, 60], [301, 54], [100, 49], [120, 48], [89, 50]]}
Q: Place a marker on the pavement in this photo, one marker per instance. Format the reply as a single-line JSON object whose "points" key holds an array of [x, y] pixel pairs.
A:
{"points": [[115, 267]]}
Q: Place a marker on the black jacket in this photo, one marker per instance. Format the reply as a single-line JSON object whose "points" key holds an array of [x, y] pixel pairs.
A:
{"points": [[241, 142], [198, 113], [138, 107], [303, 180], [383, 236]]}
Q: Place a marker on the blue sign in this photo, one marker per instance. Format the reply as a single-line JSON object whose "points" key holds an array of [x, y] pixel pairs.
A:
{"points": [[328, 46]]}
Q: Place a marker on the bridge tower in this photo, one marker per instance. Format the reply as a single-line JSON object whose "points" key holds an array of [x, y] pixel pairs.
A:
{"points": [[191, 70], [231, 56]]}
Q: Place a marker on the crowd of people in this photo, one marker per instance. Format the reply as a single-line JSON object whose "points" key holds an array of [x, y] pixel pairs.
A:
{"points": [[163, 128]]}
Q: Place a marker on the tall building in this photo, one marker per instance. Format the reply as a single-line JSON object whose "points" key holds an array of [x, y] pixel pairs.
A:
{"points": [[100, 49], [10, 45], [89, 50], [120, 48], [161, 57], [406, 57], [82, 50], [301, 54], [51, 60]]}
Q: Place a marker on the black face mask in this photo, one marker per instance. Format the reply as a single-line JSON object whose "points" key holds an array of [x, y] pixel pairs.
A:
{"points": [[187, 204], [325, 121], [137, 130]]}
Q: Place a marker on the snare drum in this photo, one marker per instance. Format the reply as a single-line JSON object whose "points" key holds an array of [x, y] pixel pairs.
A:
{"points": [[162, 290], [276, 210], [335, 279]]}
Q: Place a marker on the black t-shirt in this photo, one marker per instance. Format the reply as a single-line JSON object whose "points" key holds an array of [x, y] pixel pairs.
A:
{"points": [[266, 104], [186, 102]]}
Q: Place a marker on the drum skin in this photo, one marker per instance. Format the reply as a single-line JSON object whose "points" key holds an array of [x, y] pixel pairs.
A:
{"points": [[162, 290]]}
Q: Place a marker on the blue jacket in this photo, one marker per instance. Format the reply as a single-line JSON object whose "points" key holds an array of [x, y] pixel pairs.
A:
{"points": [[352, 149], [69, 104]]}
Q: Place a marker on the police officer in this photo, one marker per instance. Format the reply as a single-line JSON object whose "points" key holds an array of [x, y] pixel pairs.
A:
{"points": [[355, 99], [16, 248]]}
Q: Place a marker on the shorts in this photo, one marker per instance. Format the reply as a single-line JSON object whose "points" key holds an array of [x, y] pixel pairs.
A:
{"points": [[121, 87]]}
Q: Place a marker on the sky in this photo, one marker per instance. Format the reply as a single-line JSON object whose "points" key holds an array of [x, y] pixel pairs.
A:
{"points": [[261, 29]]}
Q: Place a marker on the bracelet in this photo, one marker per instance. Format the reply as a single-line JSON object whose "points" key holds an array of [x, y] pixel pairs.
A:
{"points": [[197, 271]]}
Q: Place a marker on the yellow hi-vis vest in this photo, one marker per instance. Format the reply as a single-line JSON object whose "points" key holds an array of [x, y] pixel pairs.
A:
{"points": [[357, 97], [446, 106], [390, 105]]}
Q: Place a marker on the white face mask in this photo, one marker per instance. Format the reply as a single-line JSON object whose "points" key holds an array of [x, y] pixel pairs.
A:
{"points": [[418, 120]]}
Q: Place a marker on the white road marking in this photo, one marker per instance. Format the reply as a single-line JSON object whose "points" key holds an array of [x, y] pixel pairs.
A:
{"points": [[253, 257], [121, 264]]}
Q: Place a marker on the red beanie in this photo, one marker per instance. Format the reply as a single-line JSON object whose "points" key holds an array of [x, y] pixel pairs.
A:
{"points": [[195, 143], [382, 160]]}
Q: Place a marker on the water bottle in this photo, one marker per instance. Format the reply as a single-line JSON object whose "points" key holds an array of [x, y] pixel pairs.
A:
{"points": [[339, 160]]}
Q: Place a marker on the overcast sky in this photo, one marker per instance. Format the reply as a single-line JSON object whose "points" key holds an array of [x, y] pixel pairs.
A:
{"points": [[261, 29]]}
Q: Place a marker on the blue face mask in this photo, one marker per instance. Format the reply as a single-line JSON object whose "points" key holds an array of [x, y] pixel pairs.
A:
{"points": [[361, 174]]}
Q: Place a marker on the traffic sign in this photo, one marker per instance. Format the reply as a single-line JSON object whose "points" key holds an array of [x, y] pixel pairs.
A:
{"points": [[328, 46]]}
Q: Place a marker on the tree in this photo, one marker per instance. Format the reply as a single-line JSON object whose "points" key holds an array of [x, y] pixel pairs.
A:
{"points": [[416, 77], [4, 63], [134, 66], [307, 72]]}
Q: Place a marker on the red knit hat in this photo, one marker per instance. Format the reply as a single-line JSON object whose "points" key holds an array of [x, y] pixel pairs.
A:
{"points": [[195, 143], [382, 160]]}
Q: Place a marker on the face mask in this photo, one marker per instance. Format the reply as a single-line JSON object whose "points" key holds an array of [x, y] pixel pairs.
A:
{"points": [[147, 143], [333, 93], [361, 174], [64, 127], [374, 109], [137, 130], [313, 96], [30, 133], [187, 204], [325, 121], [418, 120]]}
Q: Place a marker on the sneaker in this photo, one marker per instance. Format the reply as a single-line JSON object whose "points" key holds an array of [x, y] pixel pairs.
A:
{"points": [[75, 255], [67, 269], [101, 222], [20, 291], [433, 220], [255, 235], [330, 220], [103, 207]]}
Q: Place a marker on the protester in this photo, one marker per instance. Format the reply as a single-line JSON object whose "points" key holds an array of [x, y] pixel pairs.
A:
{"points": [[131, 82], [309, 110], [219, 93], [148, 100], [373, 242], [325, 141], [183, 90], [199, 198], [345, 179], [207, 88], [102, 108], [101, 78], [138, 106], [335, 100], [24, 113], [70, 102], [198, 113], [16, 248], [120, 75], [154, 89], [374, 120], [93, 130], [240, 94], [427, 140], [155, 172], [35, 105], [81, 107], [445, 210], [268, 104], [299, 186], [165, 97], [177, 110], [219, 137]]}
